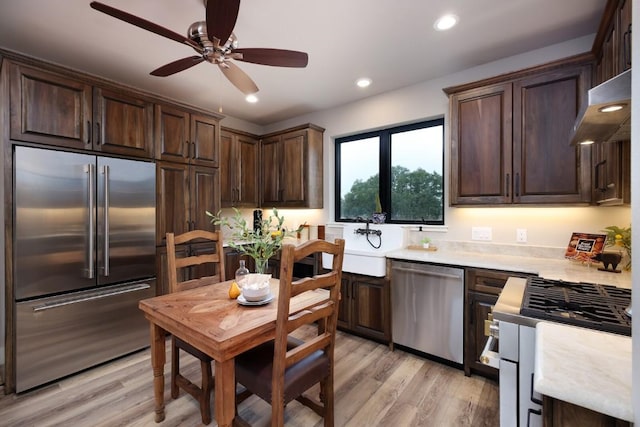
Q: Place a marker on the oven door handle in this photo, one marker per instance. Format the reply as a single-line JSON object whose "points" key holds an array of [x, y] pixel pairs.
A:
{"points": [[489, 356]]}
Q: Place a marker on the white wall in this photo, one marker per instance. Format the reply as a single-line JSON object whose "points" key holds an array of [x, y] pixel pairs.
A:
{"points": [[546, 226]]}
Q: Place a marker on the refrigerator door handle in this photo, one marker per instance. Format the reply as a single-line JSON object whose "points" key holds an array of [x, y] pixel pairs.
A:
{"points": [[99, 294], [90, 170], [105, 262]]}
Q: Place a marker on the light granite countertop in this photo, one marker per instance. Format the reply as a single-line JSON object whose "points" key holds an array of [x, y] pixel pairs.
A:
{"points": [[549, 264], [585, 367]]}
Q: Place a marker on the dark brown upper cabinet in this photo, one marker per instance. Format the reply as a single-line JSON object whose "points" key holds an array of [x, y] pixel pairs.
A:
{"points": [[54, 109], [612, 44], [510, 138], [239, 185], [186, 137]]}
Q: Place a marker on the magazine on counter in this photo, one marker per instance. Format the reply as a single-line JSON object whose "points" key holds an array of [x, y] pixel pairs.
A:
{"points": [[584, 246]]}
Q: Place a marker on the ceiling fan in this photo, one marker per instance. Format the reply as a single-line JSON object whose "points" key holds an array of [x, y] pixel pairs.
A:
{"points": [[215, 42]]}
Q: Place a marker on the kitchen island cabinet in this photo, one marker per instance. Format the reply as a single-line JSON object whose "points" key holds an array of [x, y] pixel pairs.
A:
{"points": [[291, 168], [509, 137], [238, 169], [56, 109]]}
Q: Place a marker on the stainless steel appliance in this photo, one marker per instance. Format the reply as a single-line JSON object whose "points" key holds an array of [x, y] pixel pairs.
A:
{"points": [[586, 305], [427, 308], [84, 255]]}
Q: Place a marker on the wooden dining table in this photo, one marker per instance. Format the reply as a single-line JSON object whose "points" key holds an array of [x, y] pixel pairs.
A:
{"points": [[221, 327]]}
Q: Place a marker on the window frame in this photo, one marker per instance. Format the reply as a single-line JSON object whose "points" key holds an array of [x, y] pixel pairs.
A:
{"points": [[384, 169]]}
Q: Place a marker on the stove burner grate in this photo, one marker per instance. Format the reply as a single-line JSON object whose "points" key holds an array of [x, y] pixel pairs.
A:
{"points": [[588, 305]]}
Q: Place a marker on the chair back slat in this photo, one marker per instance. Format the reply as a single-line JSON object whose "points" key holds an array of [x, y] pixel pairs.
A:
{"points": [[175, 265]]}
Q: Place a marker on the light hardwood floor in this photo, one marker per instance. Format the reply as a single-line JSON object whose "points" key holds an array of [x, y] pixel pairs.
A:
{"points": [[373, 387]]}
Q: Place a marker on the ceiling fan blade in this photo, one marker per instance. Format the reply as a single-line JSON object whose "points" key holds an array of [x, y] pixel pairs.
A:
{"points": [[177, 66], [144, 24], [239, 78], [221, 18], [276, 57]]}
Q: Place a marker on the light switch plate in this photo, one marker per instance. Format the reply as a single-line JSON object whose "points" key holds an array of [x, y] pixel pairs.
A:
{"points": [[481, 233], [521, 235]]}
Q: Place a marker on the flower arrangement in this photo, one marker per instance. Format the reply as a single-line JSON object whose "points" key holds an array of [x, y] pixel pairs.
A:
{"points": [[261, 243], [620, 237]]}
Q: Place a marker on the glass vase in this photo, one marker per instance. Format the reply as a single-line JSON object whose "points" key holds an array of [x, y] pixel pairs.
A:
{"points": [[261, 265]]}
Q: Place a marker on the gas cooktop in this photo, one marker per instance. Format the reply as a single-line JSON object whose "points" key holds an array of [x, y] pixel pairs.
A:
{"points": [[588, 305]]}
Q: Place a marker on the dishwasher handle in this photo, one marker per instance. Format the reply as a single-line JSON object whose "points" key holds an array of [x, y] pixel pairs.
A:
{"points": [[428, 273]]}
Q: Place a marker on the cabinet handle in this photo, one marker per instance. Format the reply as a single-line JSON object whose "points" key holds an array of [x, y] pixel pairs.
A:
{"points": [[88, 132], [597, 178], [98, 136], [194, 150], [506, 185], [517, 192], [626, 47], [188, 149]]}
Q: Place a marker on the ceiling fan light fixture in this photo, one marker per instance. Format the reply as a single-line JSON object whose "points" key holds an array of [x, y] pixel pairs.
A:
{"points": [[363, 82], [251, 98], [446, 22]]}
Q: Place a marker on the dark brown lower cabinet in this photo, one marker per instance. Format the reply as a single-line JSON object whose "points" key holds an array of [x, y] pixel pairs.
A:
{"points": [[482, 288], [365, 306], [558, 413], [181, 252]]}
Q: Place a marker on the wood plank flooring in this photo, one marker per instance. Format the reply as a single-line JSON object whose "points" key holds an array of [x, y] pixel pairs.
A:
{"points": [[373, 387]]}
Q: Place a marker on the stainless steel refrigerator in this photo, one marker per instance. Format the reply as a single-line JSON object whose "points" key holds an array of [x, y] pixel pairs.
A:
{"points": [[83, 256]]}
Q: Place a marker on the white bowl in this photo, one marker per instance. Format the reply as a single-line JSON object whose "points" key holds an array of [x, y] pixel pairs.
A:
{"points": [[255, 287], [256, 294]]}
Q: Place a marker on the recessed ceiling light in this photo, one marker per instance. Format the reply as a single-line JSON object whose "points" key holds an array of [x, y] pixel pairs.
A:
{"points": [[587, 142], [363, 82], [445, 22], [251, 98]]}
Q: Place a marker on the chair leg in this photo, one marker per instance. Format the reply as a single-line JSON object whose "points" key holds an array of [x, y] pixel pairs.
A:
{"points": [[175, 368], [326, 390]]}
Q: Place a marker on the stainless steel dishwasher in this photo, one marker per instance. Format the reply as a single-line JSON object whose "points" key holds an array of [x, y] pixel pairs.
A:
{"points": [[427, 308]]}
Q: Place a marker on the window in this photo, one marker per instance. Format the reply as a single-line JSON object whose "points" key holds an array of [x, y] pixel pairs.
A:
{"points": [[402, 167]]}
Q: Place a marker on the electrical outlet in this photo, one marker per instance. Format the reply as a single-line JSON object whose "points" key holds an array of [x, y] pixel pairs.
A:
{"points": [[481, 233], [521, 235]]}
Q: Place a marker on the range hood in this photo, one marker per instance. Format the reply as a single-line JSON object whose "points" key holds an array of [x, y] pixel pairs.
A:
{"points": [[594, 125]]}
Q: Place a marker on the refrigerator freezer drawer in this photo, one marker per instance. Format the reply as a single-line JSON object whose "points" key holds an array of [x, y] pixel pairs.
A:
{"points": [[58, 336]]}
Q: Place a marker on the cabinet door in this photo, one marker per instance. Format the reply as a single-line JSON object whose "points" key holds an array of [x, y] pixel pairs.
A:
{"points": [[172, 134], [49, 109], [371, 307], [294, 152], [271, 165], [122, 124], [161, 267], [172, 211], [481, 141], [248, 171], [207, 269], [204, 190], [546, 168], [479, 306], [229, 169], [204, 140], [624, 19]]}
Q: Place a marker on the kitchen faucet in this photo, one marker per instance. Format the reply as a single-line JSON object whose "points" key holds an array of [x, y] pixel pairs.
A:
{"points": [[367, 231]]}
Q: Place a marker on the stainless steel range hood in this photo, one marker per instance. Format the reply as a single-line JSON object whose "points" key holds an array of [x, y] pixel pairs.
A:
{"points": [[595, 125]]}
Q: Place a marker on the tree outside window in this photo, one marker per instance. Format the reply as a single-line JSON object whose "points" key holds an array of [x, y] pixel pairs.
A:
{"points": [[403, 166]]}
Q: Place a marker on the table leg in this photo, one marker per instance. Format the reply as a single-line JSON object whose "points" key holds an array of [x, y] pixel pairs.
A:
{"points": [[225, 392], [158, 353]]}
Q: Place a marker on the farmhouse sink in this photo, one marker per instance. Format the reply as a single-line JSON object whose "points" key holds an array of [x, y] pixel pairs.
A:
{"points": [[360, 256]]}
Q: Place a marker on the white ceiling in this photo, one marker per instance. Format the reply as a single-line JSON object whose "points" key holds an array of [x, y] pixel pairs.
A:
{"points": [[391, 41]]}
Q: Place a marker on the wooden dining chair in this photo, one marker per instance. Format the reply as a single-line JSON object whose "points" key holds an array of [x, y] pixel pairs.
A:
{"points": [[175, 266], [283, 369]]}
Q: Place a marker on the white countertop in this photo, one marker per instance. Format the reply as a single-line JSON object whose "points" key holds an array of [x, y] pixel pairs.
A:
{"points": [[548, 268], [588, 368]]}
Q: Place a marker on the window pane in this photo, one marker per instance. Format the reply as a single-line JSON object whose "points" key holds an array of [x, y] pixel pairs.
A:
{"points": [[359, 177], [416, 175]]}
